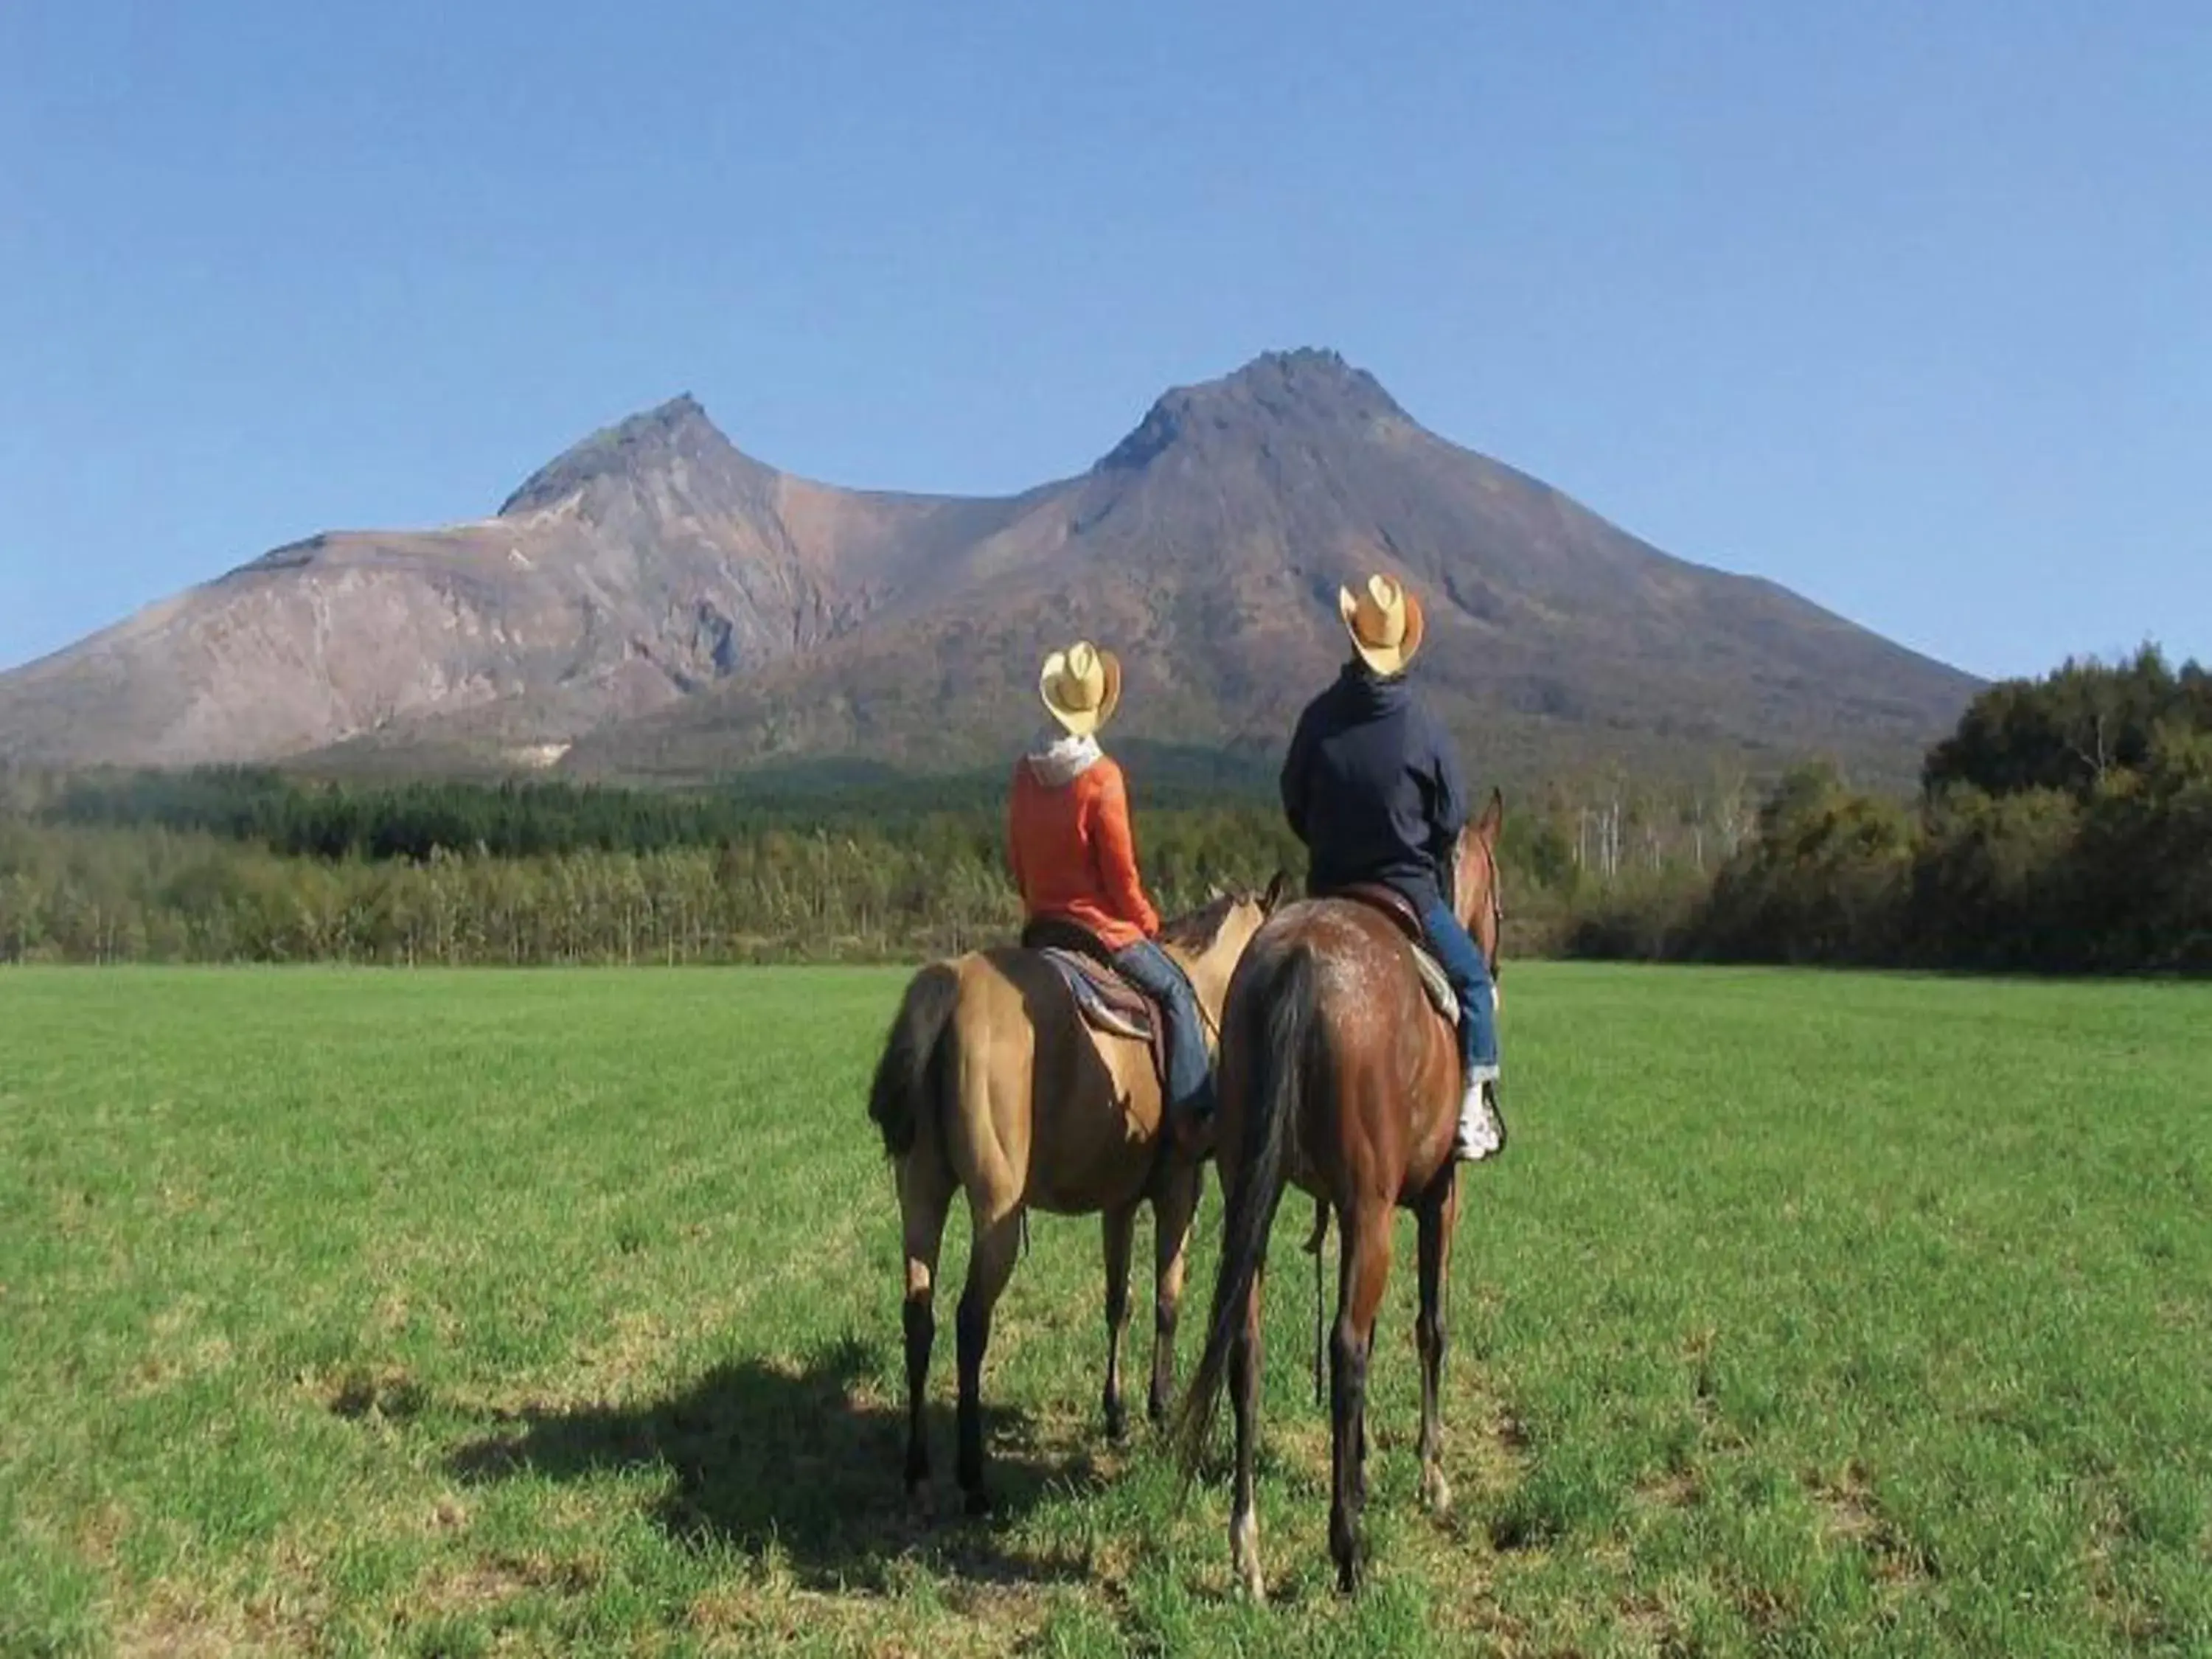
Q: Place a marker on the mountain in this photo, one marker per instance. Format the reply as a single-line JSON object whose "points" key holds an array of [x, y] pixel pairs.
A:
{"points": [[653, 603], [650, 560]]}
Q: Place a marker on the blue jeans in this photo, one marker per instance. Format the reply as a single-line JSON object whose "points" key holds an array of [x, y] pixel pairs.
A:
{"points": [[1190, 1073], [1470, 977]]}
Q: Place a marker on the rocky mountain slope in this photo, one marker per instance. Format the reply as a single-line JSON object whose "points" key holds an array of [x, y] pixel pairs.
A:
{"points": [[654, 602]]}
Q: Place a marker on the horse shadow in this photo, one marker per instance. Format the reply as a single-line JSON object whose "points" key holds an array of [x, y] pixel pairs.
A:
{"points": [[791, 1461]]}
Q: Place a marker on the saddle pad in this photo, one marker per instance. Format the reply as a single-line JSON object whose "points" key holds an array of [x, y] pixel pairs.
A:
{"points": [[1441, 997]]}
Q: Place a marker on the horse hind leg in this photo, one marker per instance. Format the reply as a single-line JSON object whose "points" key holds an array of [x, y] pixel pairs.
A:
{"points": [[1174, 1207], [1438, 1216], [924, 1188], [990, 1265], [1120, 1228], [1364, 1276], [1244, 1376]]}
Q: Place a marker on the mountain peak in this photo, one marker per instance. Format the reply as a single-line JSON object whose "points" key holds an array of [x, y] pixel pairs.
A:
{"points": [[678, 430], [1310, 388], [1311, 373]]}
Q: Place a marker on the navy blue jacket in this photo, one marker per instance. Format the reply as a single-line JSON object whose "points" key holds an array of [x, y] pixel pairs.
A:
{"points": [[1372, 787]]}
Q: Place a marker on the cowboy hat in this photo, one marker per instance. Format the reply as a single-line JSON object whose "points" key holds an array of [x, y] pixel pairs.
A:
{"points": [[1385, 623], [1080, 687]]}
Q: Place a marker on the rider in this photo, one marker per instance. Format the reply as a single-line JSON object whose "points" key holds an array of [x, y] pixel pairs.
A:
{"points": [[1075, 861], [1373, 788]]}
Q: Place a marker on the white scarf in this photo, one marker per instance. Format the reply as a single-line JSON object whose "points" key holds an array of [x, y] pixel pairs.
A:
{"points": [[1057, 758]]}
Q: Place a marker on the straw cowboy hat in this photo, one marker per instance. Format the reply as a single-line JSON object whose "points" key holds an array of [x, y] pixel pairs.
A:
{"points": [[1385, 623], [1080, 687]]}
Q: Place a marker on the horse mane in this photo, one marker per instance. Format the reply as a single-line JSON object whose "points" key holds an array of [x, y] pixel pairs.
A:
{"points": [[1196, 932]]}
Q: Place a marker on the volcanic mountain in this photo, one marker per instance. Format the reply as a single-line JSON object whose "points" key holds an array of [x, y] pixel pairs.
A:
{"points": [[654, 602]]}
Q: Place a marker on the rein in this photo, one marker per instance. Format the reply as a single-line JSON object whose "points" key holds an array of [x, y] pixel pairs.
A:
{"points": [[1496, 913], [1451, 872], [1205, 1016]]}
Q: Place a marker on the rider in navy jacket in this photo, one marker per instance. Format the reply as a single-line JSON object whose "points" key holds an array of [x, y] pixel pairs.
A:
{"points": [[1372, 787]]}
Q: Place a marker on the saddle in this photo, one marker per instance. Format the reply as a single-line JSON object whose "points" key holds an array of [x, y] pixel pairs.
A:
{"points": [[1393, 905], [1107, 1002]]}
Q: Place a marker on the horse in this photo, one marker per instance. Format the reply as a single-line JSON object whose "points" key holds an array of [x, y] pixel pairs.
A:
{"points": [[1339, 1076], [991, 1082]]}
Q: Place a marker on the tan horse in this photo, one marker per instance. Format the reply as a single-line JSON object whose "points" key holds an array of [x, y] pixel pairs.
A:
{"points": [[991, 1082], [1339, 1076]]}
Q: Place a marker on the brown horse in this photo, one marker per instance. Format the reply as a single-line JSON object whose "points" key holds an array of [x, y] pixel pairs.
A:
{"points": [[1337, 1075], [991, 1082]]}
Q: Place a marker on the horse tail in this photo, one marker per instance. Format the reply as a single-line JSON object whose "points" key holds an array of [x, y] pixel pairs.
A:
{"points": [[907, 1075], [1282, 1038]]}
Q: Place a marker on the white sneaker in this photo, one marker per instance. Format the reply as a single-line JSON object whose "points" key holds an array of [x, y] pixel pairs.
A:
{"points": [[1481, 1132]]}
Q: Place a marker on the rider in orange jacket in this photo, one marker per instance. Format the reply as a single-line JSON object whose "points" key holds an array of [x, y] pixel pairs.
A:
{"points": [[1075, 860]]}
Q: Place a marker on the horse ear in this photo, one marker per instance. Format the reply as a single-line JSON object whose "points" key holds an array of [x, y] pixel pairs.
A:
{"points": [[1213, 894], [1273, 896], [1493, 816]]}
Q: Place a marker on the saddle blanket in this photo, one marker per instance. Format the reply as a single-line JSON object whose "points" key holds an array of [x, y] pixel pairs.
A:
{"points": [[1108, 1002]]}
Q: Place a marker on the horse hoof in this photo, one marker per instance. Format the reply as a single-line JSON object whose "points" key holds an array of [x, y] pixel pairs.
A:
{"points": [[1350, 1570], [1117, 1423], [921, 1503], [978, 1504], [1244, 1552], [1436, 1494]]}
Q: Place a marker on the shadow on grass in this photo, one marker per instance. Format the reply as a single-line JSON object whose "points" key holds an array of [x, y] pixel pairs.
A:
{"points": [[767, 1457]]}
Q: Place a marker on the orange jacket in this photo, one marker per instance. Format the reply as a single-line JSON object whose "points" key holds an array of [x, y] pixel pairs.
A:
{"points": [[1072, 855]]}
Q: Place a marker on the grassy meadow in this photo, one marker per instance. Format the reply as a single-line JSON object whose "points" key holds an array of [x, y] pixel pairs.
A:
{"points": [[365, 1312]]}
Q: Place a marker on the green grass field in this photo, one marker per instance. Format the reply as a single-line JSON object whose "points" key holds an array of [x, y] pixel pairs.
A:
{"points": [[359, 1312]]}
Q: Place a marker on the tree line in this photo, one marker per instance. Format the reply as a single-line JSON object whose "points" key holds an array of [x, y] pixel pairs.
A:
{"points": [[259, 864], [255, 867], [2064, 826]]}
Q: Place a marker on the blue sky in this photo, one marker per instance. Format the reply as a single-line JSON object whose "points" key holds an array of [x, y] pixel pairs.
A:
{"points": [[1903, 306]]}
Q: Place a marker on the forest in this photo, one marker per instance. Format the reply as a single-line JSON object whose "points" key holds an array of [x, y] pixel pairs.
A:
{"points": [[257, 865], [2065, 825]]}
